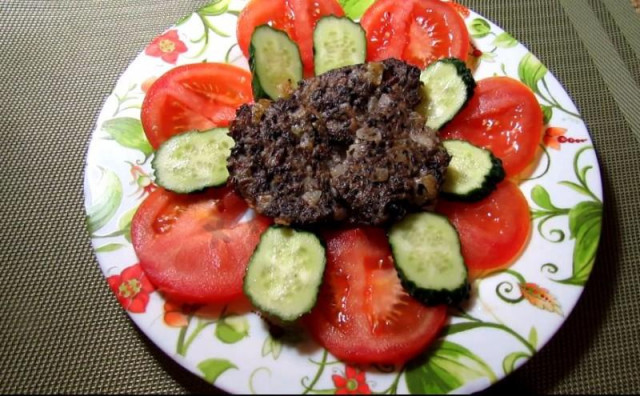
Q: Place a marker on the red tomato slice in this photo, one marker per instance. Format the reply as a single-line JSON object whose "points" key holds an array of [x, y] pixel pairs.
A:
{"points": [[197, 96], [363, 315], [192, 247], [416, 31], [296, 17], [504, 116], [494, 231]]}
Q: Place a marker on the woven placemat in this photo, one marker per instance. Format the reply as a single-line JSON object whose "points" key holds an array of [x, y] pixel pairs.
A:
{"points": [[61, 328]]}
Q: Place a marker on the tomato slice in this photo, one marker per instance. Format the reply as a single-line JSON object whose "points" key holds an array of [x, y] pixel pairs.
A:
{"points": [[363, 315], [296, 17], [504, 116], [416, 31], [494, 231], [197, 96], [193, 247]]}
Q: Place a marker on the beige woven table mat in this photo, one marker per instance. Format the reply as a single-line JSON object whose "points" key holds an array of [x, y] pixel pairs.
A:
{"points": [[63, 331]]}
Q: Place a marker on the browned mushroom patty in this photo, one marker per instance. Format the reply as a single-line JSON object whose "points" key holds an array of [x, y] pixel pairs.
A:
{"points": [[346, 146]]}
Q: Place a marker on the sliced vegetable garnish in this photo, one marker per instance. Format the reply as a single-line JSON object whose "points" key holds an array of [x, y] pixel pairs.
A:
{"points": [[275, 63], [427, 255], [193, 160], [295, 17], [472, 173], [285, 273], [416, 31], [448, 87], [197, 96], [493, 231], [338, 42], [363, 314], [192, 246], [503, 116]]}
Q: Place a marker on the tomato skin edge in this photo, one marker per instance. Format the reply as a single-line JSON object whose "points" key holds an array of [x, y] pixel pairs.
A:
{"points": [[481, 257], [217, 110]]}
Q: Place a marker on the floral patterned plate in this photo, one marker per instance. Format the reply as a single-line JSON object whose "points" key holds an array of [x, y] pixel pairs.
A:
{"points": [[511, 315]]}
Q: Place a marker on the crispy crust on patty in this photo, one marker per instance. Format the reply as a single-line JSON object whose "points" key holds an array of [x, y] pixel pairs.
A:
{"points": [[345, 147]]}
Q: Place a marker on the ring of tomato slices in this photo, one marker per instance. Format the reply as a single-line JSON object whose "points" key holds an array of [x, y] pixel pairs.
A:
{"points": [[494, 231], [193, 247], [196, 96], [503, 116], [295, 17], [416, 31], [363, 315]]}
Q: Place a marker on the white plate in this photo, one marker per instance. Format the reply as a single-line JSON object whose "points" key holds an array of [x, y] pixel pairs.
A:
{"points": [[511, 315]]}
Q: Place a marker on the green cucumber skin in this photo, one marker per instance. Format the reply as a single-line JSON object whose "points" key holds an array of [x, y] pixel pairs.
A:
{"points": [[286, 323], [491, 181], [258, 91], [256, 85], [467, 78], [432, 297]]}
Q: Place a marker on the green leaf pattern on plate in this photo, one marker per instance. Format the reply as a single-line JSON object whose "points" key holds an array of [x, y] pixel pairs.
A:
{"points": [[509, 362], [271, 347], [214, 368], [109, 196], [584, 220], [479, 28], [128, 132], [232, 329], [505, 40], [447, 366]]}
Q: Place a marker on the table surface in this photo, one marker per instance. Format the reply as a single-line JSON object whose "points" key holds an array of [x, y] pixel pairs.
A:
{"points": [[62, 329]]}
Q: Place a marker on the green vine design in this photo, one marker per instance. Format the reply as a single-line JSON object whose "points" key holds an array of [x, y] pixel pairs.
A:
{"points": [[541, 197], [585, 222], [309, 385], [229, 328], [480, 28], [508, 287], [213, 9], [533, 74], [185, 342], [227, 55], [547, 158], [475, 323], [124, 100]]}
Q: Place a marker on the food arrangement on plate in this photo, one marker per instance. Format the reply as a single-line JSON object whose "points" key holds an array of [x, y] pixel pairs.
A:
{"points": [[352, 186]]}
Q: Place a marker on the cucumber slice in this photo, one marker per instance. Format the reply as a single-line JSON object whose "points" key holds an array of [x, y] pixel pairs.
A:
{"points": [[448, 86], [338, 42], [275, 63], [426, 252], [473, 172], [285, 273], [193, 160]]}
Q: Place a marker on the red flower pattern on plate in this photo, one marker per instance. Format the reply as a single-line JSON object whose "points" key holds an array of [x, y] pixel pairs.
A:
{"points": [[166, 47], [554, 136], [353, 383], [132, 288]]}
